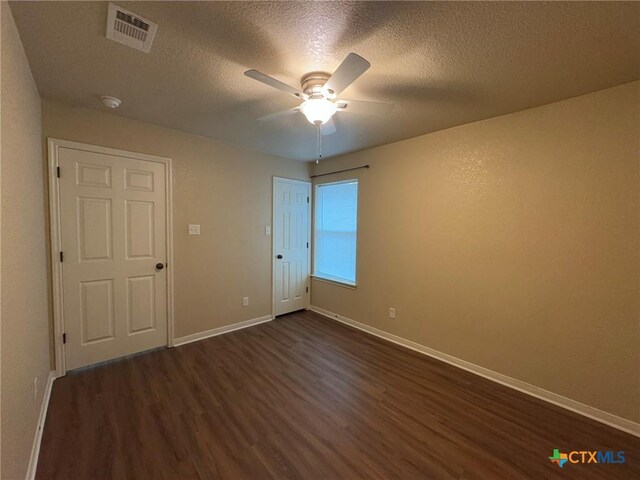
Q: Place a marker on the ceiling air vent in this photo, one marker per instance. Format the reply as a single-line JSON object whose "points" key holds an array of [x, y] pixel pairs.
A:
{"points": [[130, 29]]}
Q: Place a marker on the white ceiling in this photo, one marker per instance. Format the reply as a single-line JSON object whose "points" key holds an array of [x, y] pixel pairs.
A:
{"points": [[441, 63]]}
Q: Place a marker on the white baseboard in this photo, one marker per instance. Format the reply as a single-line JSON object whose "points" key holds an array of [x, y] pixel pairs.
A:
{"points": [[35, 449], [194, 337], [586, 410]]}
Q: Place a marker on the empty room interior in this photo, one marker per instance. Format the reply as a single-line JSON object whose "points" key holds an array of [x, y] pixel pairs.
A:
{"points": [[320, 240]]}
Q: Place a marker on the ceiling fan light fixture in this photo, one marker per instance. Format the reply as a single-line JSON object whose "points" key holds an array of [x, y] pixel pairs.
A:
{"points": [[318, 110]]}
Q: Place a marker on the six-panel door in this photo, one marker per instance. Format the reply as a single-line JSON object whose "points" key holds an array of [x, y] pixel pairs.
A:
{"points": [[113, 236], [291, 242]]}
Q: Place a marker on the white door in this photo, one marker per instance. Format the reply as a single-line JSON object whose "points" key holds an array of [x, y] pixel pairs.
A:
{"points": [[291, 244], [113, 242]]}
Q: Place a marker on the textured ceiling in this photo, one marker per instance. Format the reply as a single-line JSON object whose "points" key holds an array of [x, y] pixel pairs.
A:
{"points": [[441, 63]]}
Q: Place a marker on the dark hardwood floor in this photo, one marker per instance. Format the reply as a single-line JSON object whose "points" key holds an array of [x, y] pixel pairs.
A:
{"points": [[304, 397]]}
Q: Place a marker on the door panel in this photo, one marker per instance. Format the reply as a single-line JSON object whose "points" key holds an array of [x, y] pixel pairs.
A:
{"points": [[113, 233], [93, 175], [97, 310], [136, 180], [94, 225], [291, 241], [140, 232], [141, 304]]}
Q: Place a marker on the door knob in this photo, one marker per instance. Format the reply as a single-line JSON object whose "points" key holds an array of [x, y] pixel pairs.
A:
{"points": [[159, 266], [279, 257]]}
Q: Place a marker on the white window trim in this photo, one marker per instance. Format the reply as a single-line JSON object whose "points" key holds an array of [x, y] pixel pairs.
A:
{"points": [[343, 282]]}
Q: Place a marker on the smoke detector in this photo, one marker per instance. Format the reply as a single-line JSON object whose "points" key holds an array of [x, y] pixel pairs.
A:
{"points": [[110, 102], [130, 29]]}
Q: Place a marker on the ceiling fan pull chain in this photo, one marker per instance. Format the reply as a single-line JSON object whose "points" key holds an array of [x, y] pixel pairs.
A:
{"points": [[319, 143]]}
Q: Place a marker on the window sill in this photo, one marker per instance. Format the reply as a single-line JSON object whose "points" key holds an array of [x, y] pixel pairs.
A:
{"points": [[333, 281]]}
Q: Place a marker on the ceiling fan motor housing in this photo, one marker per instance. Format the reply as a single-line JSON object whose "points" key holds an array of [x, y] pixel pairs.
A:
{"points": [[313, 85]]}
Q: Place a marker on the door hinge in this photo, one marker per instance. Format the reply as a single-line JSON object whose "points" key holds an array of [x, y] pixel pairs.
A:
{"points": [[61, 257], [58, 171], [307, 199], [64, 338], [307, 289], [307, 244]]}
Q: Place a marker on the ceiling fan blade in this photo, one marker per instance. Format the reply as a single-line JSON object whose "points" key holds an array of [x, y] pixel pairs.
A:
{"points": [[348, 72], [272, 82], [364, 107], [283, 113], [328, 128]]}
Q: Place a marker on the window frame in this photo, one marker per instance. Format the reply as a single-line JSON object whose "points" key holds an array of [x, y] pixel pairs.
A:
{"points": [[329, 278]]}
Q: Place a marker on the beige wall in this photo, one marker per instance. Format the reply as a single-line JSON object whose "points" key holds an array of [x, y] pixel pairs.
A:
{"points": [[24, 310], [512, 243], [225, 189]]}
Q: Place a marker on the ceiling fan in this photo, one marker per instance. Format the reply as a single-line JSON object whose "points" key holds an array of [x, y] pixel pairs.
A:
{"points": [[319, 91]]}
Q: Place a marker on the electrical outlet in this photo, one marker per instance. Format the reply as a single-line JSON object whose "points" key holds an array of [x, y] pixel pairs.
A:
{"points": [[35, 388], [245, 301], [392, 312], [194, 229]]}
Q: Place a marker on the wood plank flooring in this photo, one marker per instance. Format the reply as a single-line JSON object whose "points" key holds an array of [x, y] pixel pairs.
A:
{"points": [[304, 397]]}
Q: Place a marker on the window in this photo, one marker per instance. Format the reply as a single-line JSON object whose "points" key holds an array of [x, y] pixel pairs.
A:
{"points": [[336, 220]]}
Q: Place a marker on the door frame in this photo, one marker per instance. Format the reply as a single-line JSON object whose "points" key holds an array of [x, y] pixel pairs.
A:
{"points": [[53, 145], [273, 243]]}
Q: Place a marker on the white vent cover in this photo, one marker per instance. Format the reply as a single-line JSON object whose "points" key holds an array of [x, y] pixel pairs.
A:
{"points": [[130, 29]]}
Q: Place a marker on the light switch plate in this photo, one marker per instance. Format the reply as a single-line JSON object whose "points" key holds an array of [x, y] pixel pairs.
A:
{"points": [[194, 229], [267, 230]]}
